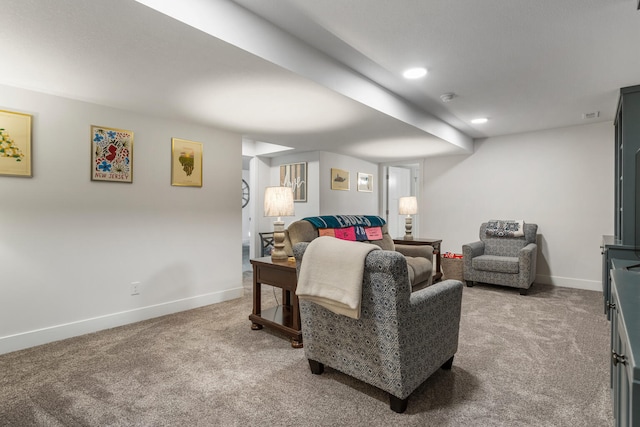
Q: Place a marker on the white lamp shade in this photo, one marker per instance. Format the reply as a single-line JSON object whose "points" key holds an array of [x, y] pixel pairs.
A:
{"points": [[278, 201], [408, 205]]}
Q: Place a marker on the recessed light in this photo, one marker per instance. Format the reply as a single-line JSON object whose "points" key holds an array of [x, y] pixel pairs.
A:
{"points": [[414, 73], [479, 120]]}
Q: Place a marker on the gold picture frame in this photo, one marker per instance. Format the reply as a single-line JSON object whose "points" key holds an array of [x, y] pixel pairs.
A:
{"points": [[365, 182], [15, 144], [186, 163], [339, 179], [111, 154]]}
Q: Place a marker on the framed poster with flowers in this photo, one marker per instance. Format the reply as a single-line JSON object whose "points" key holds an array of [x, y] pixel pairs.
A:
{"points": [[186, 163], [15, 144], [112, 154]]}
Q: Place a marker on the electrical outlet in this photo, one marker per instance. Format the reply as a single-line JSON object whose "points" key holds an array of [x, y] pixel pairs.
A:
{"points": [[135, 288]]}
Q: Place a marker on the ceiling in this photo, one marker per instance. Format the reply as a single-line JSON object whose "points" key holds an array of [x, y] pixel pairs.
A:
{"points": [[326, 74]]}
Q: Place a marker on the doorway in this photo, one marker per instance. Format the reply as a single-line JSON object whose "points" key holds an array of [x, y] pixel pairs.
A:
{"points": [[246, 213], [402, 180]]}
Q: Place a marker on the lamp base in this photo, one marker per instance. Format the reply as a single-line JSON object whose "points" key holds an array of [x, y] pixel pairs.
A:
{"points": [[278, 253], [408, 226]]}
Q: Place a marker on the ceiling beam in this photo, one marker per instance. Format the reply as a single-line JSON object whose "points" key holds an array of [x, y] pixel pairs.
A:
{"points": [[235, 25]]}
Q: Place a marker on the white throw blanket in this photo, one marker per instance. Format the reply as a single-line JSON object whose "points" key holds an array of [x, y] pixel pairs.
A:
{"points": [[331, 274]]}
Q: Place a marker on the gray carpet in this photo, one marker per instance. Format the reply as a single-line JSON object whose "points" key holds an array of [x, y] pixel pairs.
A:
{"points": [[537, 360]]}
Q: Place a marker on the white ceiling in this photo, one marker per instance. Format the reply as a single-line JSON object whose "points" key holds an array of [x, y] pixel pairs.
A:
{"points": [[326, 74]]}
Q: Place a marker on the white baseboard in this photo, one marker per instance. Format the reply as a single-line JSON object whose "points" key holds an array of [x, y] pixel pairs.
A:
{"points": [[68, 330], [568, 282]]}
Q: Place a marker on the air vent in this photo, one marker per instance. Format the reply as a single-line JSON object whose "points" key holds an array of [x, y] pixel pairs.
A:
{"points": [[589, 116]]}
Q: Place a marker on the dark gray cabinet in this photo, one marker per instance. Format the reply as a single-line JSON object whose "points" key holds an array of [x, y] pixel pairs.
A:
{"points": [[627, 144], [620, 285], [612, 248], [625, 343], [623, 243]]}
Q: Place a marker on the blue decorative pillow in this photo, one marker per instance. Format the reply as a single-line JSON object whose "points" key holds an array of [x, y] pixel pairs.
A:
{"points": [[505, 228]]}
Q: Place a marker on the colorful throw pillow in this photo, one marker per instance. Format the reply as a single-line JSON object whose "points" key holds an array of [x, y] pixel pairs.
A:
{"points": [[505, 228]]}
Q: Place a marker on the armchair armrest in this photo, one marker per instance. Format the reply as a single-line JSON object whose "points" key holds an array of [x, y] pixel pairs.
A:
{"points": [[474, 249], [416, 251], [445, 295], [434, 315], [528, 250], [527, 259], [469, 251]]}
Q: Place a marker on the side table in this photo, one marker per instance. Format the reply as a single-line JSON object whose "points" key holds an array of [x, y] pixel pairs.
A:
{"points": [[285, 317], [435, 243]]}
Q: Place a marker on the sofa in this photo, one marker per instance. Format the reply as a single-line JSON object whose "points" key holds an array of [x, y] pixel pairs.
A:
{"points": [[401, 336], [419, 258]]}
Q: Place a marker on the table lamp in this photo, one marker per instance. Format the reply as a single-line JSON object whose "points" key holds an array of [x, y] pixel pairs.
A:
{"points": [[278, 202], [408, 206]]}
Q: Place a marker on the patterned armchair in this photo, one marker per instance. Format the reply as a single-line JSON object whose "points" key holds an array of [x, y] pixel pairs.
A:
{"points": [[508, 261], [401, 337]]}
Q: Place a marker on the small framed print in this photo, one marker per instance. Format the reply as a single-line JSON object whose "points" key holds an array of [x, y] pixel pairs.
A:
{"points": [[339, 179], [15, 144], [186, 163], [365, 182], [112, 154]]}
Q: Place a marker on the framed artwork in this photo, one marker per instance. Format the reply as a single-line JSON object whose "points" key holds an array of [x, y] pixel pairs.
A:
{"points": [[112, 154], [365, 182], [339, 179], [15, 144], [294, 175], [186, 163]]}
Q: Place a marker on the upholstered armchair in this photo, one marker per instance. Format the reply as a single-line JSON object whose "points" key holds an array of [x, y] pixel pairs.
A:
{"points": [[401, 338], [502, 259]]}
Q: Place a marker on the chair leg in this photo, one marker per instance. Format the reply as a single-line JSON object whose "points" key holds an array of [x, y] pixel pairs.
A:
{"points": [[448, 364], [317, 368], [398, 405], [524, 291], [469, 283]]}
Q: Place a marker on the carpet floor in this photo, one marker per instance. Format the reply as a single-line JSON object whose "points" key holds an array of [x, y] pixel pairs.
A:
{"points": [[535, 360]]}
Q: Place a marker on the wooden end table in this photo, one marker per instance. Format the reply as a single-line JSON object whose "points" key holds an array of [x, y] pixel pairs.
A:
{"points": [[420, 241], [286, 317]]}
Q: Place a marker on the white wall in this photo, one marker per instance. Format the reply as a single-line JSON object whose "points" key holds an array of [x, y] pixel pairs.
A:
{"points": [[560, 179], [352, 202], [70, 247]]}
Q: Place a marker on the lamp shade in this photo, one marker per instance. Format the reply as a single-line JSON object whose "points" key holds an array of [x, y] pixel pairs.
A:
{"points": [[278, 201], [408, 205]]}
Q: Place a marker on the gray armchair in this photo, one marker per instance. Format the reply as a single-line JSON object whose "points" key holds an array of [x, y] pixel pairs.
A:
{"points": [[401, 337], [508, 261]]}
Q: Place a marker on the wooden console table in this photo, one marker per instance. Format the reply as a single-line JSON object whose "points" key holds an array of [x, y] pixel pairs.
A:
{"points": [[285, 317], [435, 243]]}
